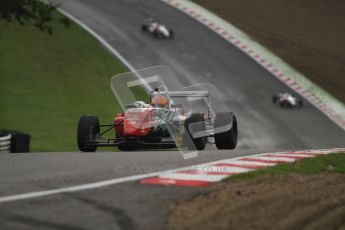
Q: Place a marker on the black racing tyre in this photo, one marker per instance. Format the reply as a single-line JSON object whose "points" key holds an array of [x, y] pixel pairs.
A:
{"points": [[199, 142], [275, 98], [300, 103], [288, 105], [283, 104], [88, 129], [156, 34], [171, 34], [228, 138], [144, 28]]}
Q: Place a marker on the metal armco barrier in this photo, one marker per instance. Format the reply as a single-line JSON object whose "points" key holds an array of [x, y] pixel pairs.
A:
{"points": [[14, 142]]}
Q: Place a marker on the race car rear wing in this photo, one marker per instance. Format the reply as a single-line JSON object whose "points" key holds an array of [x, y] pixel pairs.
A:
{"points": [[192, 99]]}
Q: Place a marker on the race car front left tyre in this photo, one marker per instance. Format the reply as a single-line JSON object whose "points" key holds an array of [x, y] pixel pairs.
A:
{"points": [[156, 34], [144, 28], [88, 129], [300, 103], [225, 130], [275, 98], [199, 142]]}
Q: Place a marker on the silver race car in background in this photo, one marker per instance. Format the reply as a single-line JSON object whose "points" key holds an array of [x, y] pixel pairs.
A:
{"points": [[156, 29], [287, 100]]}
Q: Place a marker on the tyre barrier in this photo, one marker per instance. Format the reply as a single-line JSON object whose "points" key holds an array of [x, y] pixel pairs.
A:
{"points": [[5, 144], [14, 142]]}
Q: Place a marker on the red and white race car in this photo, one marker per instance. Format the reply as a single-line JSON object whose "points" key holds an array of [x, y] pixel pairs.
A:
{"points": [[160, 124]]}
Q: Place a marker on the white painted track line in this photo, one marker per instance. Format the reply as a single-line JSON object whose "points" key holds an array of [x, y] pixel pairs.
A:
{"points": [[76, 188], [169, 175], [98, 184]]}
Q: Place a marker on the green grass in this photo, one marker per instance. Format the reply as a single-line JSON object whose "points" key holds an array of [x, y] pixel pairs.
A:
{"points": [[140, 94], [47, 82], [332, 163]]}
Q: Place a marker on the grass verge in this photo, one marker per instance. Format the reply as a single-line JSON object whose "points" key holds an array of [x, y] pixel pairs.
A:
{"points": [[332, 163], [48, 81]]}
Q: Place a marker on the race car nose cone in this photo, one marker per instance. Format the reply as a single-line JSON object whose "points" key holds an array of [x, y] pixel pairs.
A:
{"points": [[136, 123]]}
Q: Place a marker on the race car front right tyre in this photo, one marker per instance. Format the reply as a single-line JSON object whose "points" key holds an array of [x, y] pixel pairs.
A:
{"points": [[199, 142], [88, 129], [144, 28], [226, 132], [282, 104]]}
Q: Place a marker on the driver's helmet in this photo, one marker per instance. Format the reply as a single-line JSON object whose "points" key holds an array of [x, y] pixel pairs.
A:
{"points": [[282, 95], [154, 25], [160, 101]]}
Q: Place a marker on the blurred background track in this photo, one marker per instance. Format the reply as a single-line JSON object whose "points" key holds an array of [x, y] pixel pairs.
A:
{"points": [[197, 55]]}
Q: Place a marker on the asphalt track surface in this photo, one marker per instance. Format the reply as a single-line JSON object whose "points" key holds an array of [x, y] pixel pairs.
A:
{"points": [[197, 55]]}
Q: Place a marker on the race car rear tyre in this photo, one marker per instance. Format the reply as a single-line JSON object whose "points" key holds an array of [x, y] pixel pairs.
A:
{"points": [[88, 129], [199, 142], [226, 131]]}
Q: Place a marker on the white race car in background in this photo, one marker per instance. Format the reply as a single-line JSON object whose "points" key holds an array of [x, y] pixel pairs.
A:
{"points": [[158, 30], [287, 100]]}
